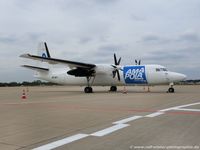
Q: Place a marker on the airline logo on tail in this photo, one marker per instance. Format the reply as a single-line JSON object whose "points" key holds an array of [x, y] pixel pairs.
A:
{"points": [[135, 75], [44, 55], [43, 50]]}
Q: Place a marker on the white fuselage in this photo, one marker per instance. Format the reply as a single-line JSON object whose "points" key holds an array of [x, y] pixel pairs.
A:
{"points": [[130, 75]]}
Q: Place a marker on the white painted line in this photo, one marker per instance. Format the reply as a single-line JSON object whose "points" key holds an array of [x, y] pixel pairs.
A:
{"points": [[154, 114], [127, 120], [189, 105], [168, 109], [185, 109], [109, 130], [119, 125], [177, 107], [62, 142]]}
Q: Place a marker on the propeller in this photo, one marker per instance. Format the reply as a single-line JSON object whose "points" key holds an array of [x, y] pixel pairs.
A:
{"points": [[116, 67], [137, 62]]}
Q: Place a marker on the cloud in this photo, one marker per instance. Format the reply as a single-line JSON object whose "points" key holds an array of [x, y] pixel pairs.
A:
{"points": [[176, 59], [137, 17], [91, 31], [189, 36], [151, 38], [7, 39]]}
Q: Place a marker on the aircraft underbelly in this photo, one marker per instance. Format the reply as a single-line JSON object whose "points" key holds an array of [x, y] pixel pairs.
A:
{"points": [[98, 80]]}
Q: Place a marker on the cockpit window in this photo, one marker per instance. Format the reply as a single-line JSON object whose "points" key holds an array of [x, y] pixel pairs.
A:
{"points": [[157, 69], [161, 69]]}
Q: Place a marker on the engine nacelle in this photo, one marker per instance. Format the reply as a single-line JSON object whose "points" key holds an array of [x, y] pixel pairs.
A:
{"points": [[81, 72], [104, 69]]}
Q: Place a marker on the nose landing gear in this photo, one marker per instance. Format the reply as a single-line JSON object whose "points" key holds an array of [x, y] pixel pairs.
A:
{"points": [[171, 88]]}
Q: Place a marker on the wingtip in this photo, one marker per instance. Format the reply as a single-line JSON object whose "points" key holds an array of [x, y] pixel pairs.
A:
{"points": [[24, 55]]}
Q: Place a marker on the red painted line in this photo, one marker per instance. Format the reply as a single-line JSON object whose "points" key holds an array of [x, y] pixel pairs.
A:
{"points": [[99, 109]]}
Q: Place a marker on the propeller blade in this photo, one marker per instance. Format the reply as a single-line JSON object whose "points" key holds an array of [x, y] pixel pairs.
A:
{"points": [[118, 75], [119, 61], [115, 59], [135, 61], [114, 74], [139, 62], [114, 66]]}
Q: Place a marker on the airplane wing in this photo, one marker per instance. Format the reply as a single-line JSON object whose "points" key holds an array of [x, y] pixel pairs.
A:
{"points": [[36, 68], [59, 61]]}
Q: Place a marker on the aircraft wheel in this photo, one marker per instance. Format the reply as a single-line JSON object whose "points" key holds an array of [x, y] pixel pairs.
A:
{"points": [[113, 88], [171, 90], [88, 90]]}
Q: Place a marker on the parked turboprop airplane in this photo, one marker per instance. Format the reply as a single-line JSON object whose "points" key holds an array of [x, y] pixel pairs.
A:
{"points": [[78, 73]]}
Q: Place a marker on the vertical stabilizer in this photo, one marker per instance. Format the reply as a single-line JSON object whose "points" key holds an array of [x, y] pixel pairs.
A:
{"points": [[43, 50]]}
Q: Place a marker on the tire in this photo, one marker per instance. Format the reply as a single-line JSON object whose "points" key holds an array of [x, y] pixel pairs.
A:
{"points": [[88, 90], [171, 90], [113, 88]]}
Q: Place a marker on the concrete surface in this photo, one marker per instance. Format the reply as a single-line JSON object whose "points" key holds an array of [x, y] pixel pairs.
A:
{"points": [[61, 115]]}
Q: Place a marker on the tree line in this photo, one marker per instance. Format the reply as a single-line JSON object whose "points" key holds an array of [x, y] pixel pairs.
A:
{"points": [[41, 83], [26, 83]]}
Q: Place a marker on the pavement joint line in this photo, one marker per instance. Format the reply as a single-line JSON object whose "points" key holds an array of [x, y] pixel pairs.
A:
{"points": [[118, 125]]}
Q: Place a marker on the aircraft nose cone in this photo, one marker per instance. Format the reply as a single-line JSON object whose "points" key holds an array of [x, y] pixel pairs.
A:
{"points": [[183, 77], [176, 77]]}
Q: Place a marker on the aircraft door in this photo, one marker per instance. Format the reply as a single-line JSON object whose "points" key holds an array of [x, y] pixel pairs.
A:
{"points": [[167, 76]]}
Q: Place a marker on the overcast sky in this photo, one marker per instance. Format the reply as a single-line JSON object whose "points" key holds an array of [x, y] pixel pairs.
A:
{"points": [[165, 32]]}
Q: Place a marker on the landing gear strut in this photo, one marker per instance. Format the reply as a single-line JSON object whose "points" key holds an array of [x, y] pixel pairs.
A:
{"points": [[113, 88], [171, 89], [88, 89]]}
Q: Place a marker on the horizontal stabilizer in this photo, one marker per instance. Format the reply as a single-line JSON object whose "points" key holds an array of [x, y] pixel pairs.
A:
{"points": [[36, 68]]}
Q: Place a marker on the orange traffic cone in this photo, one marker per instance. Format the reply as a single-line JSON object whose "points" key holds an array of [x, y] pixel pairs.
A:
{"points": [[144, 88], [124, 90], [148, 89], [23, 95]]}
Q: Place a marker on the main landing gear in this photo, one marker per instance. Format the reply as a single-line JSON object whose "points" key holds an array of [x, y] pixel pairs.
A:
{"points": [[88, 89], [113, 88], [171, 88]]}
